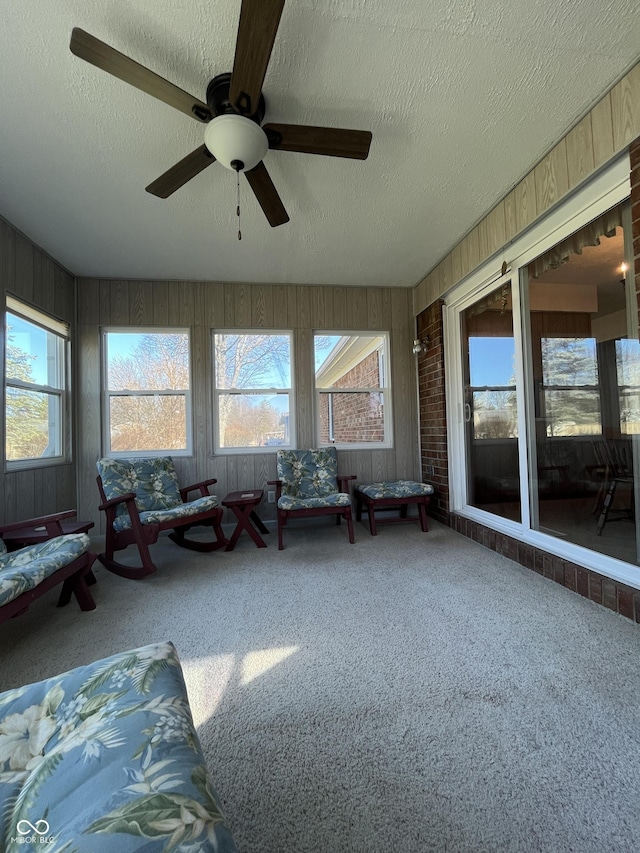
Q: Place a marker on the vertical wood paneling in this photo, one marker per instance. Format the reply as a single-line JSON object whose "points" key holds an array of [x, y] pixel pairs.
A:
{"points": [[525, 202], [229, 314], [374, 307], [30, 274], [303, 307], [303, 359], [201, 391], [23, 283], [551, 178], [88, 421], [356, 307], [339, 319], [625, 109], [496, 232], [602, 130], [261, 311], [580, 160], [214, 301], [510, 218], [141, 303], [242, 305], [88, 302]]}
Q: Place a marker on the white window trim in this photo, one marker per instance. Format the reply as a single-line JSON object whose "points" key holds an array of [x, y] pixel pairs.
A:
{"points": [[385, 390], [611, 186], [107, 394], [217, 393], [61, 329]]}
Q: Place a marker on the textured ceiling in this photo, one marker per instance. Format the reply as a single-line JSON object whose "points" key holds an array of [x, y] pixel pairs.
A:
{"points": [[462, 99]]}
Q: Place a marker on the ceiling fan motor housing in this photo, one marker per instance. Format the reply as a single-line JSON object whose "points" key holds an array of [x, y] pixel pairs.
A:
{"points": [[218, 98]]}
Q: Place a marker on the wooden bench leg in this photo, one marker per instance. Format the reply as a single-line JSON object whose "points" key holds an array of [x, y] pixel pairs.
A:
{"points": [[371, 509]]}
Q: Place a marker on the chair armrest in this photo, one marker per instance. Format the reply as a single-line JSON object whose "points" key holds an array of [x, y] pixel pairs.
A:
{"points": [[342, 480], [278, 485], [201, 487], [129, 498], [51, 522]]}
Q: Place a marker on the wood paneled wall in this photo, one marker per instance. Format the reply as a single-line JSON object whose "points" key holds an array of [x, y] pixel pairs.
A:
{"points": [[30, 274], [612, 124], [203, 306]]}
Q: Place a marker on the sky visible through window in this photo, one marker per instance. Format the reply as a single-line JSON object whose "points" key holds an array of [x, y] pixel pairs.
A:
{"points": [[491, 362], [32, 340]]}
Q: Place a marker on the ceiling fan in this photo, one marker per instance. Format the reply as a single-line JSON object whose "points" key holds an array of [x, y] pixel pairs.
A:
{"points": [[233, 112]]}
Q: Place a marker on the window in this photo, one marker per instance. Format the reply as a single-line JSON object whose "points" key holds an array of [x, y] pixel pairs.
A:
{"points": [[36, 379], [253, 396], [147, 399], [570, 387], [352, 389]]}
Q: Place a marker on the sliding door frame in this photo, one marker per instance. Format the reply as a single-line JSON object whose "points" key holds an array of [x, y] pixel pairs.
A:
{"points": [[608, 188]]}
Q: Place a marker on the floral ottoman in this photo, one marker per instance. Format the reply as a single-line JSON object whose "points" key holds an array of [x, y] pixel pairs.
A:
{"points": [[106, 758], [389, 495]]}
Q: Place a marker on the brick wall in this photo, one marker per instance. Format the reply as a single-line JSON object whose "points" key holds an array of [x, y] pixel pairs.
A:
{"points": [[433, 419], [356, 417], [433, 436]]}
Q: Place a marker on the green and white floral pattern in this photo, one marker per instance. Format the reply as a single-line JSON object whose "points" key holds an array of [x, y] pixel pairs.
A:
{"points": [[309, 479], [155, 516], [154, 481], [155, 485], [395, 489], [336, 499], [23, 570], [107, 757]]}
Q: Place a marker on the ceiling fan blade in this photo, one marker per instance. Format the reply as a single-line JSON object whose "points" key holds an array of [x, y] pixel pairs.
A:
{"points": [[267, 195], [257, 30], [332, 141], [109, 59], [182, 172]]}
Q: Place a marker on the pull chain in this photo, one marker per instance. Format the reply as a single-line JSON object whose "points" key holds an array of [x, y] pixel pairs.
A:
{"points": [[238, 203]]}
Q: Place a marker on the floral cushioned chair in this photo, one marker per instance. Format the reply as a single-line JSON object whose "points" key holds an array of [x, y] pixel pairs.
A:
{"points": [[141, 497], [31, 571], [105, 757], [309, 484]]}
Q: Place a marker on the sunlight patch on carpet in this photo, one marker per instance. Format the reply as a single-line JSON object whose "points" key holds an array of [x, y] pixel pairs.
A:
{"points": [[258, 662]]}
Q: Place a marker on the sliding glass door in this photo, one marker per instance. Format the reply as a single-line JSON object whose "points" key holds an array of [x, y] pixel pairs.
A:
{"points": [[490, 404], [544, 405]]}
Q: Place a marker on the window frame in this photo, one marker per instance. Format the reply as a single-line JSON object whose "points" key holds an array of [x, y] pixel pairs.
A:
{"points": [[222, 392], [385, 390], [107, 394], [61, 329]]}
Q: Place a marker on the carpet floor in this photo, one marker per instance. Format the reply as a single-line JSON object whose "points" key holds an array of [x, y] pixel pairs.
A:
{"points": [[412, 692]]}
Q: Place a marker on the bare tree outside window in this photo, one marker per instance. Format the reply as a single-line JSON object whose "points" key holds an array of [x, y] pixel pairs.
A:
{"points": [[148, 383], [253, 388]]}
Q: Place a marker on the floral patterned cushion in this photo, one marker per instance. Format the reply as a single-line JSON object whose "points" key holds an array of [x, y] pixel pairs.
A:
{"points": [[106, 757], [3, 547], [154, 481], [24, 569], [155, 516], [308, 473], [395, 489], [335, 499]]}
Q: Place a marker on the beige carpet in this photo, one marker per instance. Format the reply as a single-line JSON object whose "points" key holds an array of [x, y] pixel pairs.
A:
{"points": [[412, 692]]}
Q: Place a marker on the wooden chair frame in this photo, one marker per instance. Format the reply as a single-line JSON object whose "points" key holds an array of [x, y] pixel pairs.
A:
{"points": [[75, 577], [142, 535], [339, 511]]}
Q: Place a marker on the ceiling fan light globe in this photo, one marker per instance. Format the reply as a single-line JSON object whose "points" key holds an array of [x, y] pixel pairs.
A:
{"points": [[231, 138]]}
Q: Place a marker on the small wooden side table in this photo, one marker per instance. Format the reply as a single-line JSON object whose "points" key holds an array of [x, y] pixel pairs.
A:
{"points": [[15, 539], [243, 506]]}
